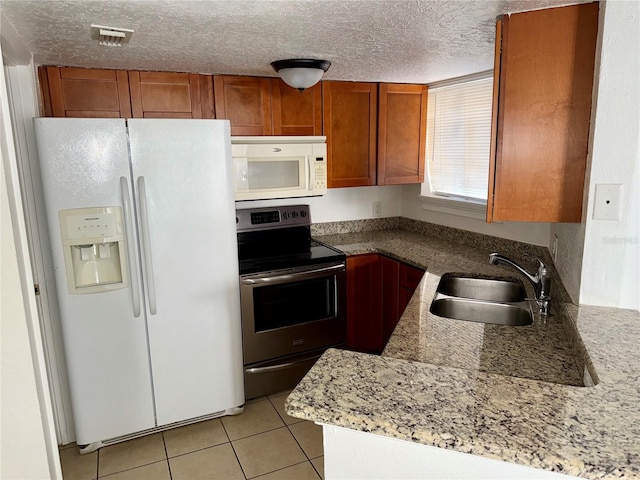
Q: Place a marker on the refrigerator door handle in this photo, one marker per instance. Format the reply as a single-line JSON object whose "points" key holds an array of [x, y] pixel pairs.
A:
{"points": [[128, 226], [146, 245]]}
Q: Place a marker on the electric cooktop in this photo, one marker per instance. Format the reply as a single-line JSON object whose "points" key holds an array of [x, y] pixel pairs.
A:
{"points": [[279, 238]]}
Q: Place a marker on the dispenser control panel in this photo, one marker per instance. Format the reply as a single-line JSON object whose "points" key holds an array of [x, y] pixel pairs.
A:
{"points": [[92, 225]]}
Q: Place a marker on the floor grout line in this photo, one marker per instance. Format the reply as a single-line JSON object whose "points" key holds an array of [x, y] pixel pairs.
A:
{"points": [[314, 467], [234, 450], [277, 412], [98, 464], [279, 469], [296, 440], [166, 454], [198, 450], [256, 434], [132, 468], [299, 420]]}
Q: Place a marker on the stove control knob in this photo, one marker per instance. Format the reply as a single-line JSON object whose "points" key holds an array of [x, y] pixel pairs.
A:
{"points": [[303, 213], [285, 215], [294, 214]]}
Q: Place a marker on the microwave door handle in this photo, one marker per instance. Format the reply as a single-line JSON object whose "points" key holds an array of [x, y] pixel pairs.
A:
{"points": [[310, 173], [281, 366]]}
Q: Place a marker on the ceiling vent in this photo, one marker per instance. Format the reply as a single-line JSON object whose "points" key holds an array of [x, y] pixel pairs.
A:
{"points": [[110, 36]]}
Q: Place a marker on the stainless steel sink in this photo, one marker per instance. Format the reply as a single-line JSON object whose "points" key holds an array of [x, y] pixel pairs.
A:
{"points": [[488, 289], [482, 299]]}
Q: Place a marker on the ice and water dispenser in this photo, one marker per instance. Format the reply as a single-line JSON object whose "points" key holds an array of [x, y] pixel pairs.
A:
{"points": [[94, 249]]}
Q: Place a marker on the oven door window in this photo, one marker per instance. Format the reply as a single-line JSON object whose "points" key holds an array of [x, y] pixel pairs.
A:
{"points": [[288, 304]]}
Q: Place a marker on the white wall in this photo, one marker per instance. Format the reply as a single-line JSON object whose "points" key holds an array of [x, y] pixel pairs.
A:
{"points": [[22, 446], [25, 436], [341, 204], [358, 455], [28, 445], [534, 233], [22, 88], [609, 262]]}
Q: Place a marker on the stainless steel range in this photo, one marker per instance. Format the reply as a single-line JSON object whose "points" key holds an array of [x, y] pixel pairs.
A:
{"points": [[292, 293]]}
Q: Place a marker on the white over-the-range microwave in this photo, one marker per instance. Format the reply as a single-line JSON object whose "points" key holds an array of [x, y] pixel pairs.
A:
{"points": [[279, 167]]}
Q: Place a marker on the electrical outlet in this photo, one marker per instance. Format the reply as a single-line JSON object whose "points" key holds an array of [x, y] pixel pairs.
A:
{"points": [[377, 209], [608, 199]]}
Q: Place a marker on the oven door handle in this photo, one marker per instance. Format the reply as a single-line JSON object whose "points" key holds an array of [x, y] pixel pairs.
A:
{"points": [[292, 276], [280, 366]]}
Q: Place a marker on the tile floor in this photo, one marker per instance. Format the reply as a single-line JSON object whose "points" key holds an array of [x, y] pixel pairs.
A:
{"points": [[263, 442]]}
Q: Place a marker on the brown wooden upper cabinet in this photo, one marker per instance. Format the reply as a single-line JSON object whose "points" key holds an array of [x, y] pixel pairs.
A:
{"points": [[375, 133], [245, 102], [85, 92], [294, 112], [267, 106], [170, 95], [543, 83], [350, 124], [90, 92], [402, 130]]}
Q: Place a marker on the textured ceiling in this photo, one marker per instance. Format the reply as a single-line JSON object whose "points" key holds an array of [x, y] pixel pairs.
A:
{"points": [[418, 41]]}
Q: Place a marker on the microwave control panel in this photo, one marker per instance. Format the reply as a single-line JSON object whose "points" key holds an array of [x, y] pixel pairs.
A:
{"points": [[320, 174]]}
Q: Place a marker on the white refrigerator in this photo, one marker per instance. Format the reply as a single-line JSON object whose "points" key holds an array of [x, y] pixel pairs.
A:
{"points": [[141, 219]]}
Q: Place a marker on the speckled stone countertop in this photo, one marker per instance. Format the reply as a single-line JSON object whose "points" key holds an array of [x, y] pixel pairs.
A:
{"points": [[415, 393], [540, 351]]}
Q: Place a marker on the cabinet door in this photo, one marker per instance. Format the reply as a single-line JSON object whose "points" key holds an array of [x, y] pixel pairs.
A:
{"points": [[294, 112], [350, 122], [168, 95], [364, 303], [85, 92], [245, 102], [402, 124], [410, 278], [391, 311], [544, 107]]}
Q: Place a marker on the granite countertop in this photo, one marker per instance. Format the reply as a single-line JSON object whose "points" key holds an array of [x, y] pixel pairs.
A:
{"points": [[541, 351], [414, 392]]}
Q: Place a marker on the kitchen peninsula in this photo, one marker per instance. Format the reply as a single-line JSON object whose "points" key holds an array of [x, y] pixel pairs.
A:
{"points": [[409, 401]]}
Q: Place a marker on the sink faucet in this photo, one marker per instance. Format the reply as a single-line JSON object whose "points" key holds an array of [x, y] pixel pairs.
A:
{"points": [[541, 281]]}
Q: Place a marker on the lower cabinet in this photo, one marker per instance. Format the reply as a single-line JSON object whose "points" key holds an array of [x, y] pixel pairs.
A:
{"points": [[364, 303], [391, 305], [378, 291]]}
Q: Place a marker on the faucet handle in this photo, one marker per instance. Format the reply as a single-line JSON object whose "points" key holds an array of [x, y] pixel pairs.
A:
{"points": [[543, 270]]}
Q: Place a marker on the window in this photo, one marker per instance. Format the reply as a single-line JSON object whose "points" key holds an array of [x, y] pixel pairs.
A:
{"points": [[458, 140]]}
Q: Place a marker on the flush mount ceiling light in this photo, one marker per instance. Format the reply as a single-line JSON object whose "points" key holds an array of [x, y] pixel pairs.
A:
{"points": [[110, 36], [301, 73]]}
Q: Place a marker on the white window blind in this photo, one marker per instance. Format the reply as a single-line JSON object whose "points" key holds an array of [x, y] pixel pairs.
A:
{"points": [[458, 139]]}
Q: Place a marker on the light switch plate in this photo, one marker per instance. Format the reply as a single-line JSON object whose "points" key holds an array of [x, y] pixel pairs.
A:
{"points": [[608, 202]]}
